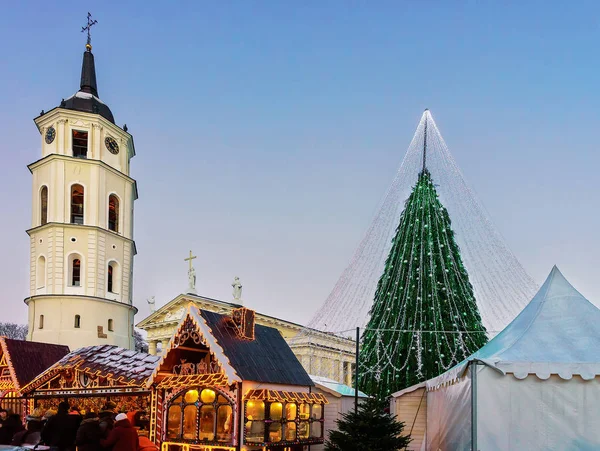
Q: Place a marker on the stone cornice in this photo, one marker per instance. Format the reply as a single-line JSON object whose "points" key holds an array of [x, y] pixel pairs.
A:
{"points": [[55, 156], [95, 298]]}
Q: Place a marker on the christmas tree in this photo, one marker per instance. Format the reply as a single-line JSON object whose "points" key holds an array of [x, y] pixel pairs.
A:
{"points": [[371, 428], [424, 317]]}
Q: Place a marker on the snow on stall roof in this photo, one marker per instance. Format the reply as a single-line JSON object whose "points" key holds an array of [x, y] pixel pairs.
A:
{"points": [[106, 360]]}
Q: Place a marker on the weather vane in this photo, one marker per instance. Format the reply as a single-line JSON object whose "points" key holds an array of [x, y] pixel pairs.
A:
{"points": [[87, 28]]}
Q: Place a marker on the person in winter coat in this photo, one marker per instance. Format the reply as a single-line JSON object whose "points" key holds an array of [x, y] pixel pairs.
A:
{"points": [[123, 437], [89, 433], [147, 445], [10, 427], [61, 429], [107, 418], [5, 433], [33, 434]]}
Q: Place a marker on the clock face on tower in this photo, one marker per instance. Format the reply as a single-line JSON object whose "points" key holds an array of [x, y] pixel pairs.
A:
{"points": [[111, 145], [50, 135]]}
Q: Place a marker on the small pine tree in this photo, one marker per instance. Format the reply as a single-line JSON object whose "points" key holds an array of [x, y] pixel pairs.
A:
{"points": [[372, 428]]}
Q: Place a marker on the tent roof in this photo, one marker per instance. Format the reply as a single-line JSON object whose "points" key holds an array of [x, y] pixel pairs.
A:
{"points": [[558, 332], [335, 387]]}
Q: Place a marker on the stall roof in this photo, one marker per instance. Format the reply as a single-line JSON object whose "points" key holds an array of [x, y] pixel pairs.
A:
{"points": [[123, 365], [266, 358], [558, 332], [330, 386], [27, 359]]}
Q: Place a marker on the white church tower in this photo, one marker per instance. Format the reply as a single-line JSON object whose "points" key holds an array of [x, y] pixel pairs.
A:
{"points": [[81, 236]]}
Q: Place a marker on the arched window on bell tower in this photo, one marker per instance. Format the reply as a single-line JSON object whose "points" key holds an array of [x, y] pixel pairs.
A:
{"points": [[113, 279], [75, 273], [44, 205], [113, 213], [110, 279], [77, 204]]}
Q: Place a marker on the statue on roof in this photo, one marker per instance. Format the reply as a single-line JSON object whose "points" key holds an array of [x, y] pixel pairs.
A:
{"points": [[237, 289], [192, 280], [152, 304]]}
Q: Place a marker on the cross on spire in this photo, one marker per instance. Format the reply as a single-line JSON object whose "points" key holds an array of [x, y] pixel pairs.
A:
{"points": [[190, 258], [88, 27]]}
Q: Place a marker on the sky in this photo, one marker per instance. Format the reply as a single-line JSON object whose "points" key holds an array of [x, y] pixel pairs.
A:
{"points": [[268, 132]]}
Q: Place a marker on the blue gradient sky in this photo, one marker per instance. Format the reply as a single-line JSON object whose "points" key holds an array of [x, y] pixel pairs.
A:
{"points": [[267, 132]]}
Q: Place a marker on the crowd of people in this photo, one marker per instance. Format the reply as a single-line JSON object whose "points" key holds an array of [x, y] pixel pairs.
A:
{"points": [[66, 429]]}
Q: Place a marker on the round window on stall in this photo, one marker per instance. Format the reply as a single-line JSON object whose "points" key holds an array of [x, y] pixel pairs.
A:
{"points": [[208, 396]]}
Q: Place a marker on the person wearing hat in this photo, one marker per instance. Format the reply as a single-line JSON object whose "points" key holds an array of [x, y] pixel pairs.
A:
{"points": [[32, 435], [123, 437], [107, 417]]}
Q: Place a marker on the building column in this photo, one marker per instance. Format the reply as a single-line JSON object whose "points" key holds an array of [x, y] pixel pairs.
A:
{"points": [[152, 347], [340, 377], [165, 343], [332, 367], [349, 374]]}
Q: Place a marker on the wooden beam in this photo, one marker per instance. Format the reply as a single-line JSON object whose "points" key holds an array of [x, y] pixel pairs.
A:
{"points": [[187, 348]]}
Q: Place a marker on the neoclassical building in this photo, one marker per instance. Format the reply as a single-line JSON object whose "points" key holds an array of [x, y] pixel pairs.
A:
{"points": [[81, 235], [321, 354]]}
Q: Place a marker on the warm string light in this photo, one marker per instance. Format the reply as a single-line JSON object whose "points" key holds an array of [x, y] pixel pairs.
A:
{"points": [[285, 396], [424, 286]]}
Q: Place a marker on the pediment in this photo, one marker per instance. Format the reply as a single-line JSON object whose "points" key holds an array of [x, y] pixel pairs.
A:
{"points": [[175, 310]]}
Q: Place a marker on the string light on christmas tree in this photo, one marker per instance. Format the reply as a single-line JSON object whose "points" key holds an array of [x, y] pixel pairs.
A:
{"points": [[424, 236]]}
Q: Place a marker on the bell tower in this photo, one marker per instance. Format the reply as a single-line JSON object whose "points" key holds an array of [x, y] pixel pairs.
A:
{"points": [[81, 235]]}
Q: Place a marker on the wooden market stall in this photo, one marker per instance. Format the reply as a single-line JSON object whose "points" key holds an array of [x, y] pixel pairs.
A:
{"points": [[225, 383], [20, 362], [90, 377]]}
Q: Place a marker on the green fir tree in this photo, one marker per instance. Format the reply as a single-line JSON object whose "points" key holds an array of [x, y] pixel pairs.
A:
{"points": [[424, 318], [372, 428]]}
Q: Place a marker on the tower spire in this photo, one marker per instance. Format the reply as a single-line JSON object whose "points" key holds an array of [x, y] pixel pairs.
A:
{"points": [[88, 68], [426, 113]]}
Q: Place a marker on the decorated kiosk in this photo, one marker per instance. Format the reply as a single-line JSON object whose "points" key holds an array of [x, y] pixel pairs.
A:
{"points": [[534, 386], [20, 362], [90, 377], [225, 383]]}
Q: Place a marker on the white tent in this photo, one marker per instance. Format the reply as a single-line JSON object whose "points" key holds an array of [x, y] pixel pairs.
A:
{"points": [[534, 386]]}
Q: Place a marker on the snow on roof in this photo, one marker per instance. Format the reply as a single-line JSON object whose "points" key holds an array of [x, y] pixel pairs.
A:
{"points": [[341, 389], [85, 95]]}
